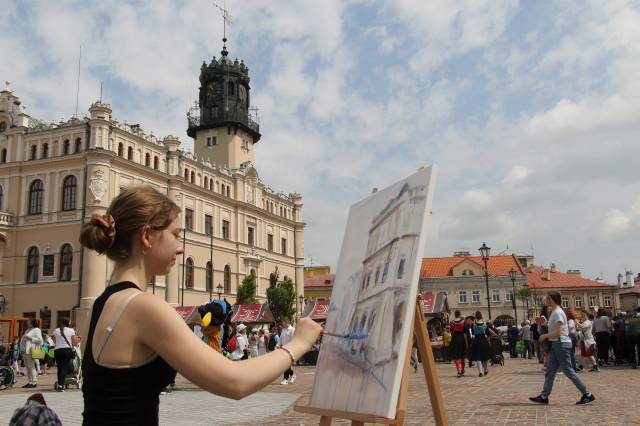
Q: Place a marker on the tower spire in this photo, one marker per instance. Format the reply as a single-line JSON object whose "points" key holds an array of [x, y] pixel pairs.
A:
{"points": [[226, 20]]}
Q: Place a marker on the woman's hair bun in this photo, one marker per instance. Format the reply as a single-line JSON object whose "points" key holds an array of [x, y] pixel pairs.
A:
{"points": [[99, 233]]}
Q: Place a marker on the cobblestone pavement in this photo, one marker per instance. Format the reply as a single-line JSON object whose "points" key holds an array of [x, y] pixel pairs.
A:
{"points": [[498, 399]]}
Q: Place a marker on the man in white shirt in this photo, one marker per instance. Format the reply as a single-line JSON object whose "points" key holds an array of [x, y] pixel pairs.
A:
{"points": [[242, 344], [560, 355], [285, 337]]}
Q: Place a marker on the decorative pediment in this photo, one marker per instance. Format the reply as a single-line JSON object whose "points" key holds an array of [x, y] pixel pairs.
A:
{"points": [[466, 267]]}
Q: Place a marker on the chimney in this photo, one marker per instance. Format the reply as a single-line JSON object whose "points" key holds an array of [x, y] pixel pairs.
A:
{"points": [[574, 272], [630, 282], [546, 274], [553, 267]]}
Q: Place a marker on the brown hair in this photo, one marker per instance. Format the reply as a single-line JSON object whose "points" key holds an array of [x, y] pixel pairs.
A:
{"points": [[555, 296], [569, 313], [112, 233]]}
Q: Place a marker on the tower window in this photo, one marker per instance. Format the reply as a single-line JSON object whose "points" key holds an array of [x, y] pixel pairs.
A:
{"points": [[78, 144], [65, 147], [120, 149], [34, 152], [212, 141], [130, 153], [45, 150], [231, 88], [155, 162]]}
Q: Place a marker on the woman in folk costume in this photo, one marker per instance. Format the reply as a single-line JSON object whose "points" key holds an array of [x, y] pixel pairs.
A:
{"points": [[480, 348], [459, 342]]}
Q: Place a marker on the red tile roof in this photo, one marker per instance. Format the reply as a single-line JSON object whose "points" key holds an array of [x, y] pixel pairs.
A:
{"points": [[440, 267], [325, 280], [535, 279]]}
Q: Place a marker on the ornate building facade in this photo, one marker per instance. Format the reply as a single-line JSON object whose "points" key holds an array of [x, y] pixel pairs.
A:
{"points": [[54, 176]]}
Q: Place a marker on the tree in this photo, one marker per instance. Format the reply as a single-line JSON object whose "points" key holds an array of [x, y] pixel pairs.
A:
{"points": [[247, 290], [282, 300], [524, 294]]}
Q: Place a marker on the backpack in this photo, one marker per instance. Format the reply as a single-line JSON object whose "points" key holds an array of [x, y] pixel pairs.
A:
{"points": [[233, 344], [272, 343]]}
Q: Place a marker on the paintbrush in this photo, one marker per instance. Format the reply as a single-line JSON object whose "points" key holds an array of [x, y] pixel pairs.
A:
{"points": [[345, 336]]}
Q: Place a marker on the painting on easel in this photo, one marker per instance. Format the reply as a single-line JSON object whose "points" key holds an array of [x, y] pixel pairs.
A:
{"points": [[372, 304]]}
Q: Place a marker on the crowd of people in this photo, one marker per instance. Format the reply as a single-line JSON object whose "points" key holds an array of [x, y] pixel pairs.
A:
{"points": [[35, 351], [596, 340], [239, 343]]}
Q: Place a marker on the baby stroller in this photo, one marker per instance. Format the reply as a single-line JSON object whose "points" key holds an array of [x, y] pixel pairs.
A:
{"points": [[74, 378], [496, 350]]}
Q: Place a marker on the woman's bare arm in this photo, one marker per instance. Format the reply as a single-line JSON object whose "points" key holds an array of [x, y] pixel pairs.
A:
{"points": [[163, 330]]}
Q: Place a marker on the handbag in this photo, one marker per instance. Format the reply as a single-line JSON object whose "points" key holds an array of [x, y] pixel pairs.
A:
{"points": [[75, 354], [37, 352]]}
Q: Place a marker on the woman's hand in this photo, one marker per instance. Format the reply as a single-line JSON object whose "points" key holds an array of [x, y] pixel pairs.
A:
{"points": [[306, 334]]}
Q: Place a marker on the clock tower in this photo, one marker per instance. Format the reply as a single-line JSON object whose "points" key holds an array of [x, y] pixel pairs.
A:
{"points": [[220, 123]]}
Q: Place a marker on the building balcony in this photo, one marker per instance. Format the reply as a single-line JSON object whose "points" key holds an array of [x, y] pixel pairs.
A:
{"points": [[7, 219], [213, 117]]}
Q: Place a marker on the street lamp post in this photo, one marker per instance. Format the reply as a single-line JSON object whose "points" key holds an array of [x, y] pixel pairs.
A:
{"points": [[512, 275], [484, 252], [219, 288], [301, 300]]}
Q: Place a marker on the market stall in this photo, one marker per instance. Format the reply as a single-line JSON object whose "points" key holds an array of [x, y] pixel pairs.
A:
{"points": [[435, 309], [317, 309]]}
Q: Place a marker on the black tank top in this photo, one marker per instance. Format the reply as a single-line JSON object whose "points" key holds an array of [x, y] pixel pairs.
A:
{"points": [[121, 396]]}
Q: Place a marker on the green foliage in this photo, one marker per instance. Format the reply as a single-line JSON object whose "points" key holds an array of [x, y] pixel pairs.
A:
{"points": [[282, 300], [247, 290], [524, 293]]}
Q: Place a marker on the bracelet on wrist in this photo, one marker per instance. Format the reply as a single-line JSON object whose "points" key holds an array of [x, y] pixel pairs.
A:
{"points": [[293, 360]]}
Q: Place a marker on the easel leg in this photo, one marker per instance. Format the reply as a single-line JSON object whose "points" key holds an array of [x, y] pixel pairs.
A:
{"points": [[325, 421], [429, 366]]}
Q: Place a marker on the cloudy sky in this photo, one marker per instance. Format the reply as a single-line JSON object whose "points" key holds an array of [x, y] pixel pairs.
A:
{"points": [[530, 109]]}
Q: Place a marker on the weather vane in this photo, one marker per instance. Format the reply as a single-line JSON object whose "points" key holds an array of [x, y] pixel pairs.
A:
{"points": [[226, 18]]}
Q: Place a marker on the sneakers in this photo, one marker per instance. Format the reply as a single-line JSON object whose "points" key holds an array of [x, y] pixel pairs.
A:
{"points": [[480, 375], [539, 399], [292, 379], [284, 382], [586, 399]]}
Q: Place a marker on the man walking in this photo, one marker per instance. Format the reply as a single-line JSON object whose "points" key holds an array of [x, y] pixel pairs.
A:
{"points": [[285, 337], [560, 355]]}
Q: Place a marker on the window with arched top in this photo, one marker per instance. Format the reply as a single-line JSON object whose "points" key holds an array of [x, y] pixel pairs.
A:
{"points": [[209, 280], [66, 145], [34, 152], [33, 265], [401, 268], [120, 149], [36, 190], [206, 182], [231, 89], [193, 176], [130, 153], [66, 262], [69, 187], [156, 162], [147, 160], [228, 191], [3, 156], [227, 279], [45, 150], [78, 145], [186, 174], [188, 273], [1, 198]]}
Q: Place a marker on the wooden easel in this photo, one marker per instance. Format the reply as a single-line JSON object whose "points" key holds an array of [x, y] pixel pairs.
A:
{"points": [[419, 329]]}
